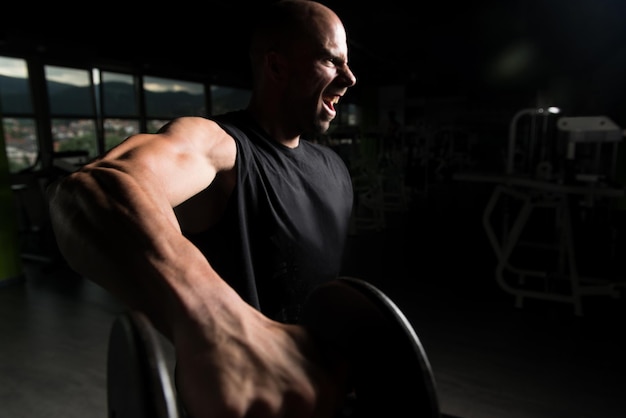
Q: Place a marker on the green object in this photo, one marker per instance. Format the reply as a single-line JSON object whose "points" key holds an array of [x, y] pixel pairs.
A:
{"points": [[10, 260]]}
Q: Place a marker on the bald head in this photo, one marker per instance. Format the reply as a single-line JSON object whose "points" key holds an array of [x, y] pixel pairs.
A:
{"points": [[300, 69], [286, 23]]}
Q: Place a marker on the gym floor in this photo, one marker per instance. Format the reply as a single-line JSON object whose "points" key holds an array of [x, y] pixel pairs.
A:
{"points": [[489, 358]]}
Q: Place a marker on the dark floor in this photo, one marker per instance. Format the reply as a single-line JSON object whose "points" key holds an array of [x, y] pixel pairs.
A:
{"points": [[489, 358]]}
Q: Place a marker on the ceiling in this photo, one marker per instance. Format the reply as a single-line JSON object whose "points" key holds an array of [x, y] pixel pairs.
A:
{"points": [[558, 47]]}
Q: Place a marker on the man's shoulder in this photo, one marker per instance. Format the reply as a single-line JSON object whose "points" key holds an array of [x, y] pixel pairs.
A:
{"points": [[236, 123], [190, 126]]}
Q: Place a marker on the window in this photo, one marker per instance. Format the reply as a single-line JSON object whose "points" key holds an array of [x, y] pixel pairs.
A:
{"points": [[168, 98], [117, 130], [71, 135], [119, 95], [17, 115], [91, 110], [120, 107], [72, 109], [225, 99]]}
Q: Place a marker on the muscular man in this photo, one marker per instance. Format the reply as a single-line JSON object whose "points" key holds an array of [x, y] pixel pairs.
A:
{"points": [[218, 228]]}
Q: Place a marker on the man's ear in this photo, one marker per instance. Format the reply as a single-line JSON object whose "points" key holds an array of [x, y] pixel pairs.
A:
{"points": [[276, 66]]}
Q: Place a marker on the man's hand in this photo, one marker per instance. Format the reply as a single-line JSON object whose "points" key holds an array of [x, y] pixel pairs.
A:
{"points": [[256, 368]]}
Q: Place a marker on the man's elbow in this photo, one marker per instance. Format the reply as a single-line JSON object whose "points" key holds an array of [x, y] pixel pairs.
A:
{"points": [[64, 197]]}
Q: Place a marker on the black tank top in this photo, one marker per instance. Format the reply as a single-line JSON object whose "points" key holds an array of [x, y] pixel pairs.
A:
{"points": [[285, 226]]}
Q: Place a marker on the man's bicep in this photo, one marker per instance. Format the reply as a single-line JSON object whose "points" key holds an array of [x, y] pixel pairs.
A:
{"points": [[183, 158]]}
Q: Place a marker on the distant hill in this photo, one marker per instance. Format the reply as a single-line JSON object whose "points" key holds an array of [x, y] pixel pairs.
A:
{"points": [[75, 101]]}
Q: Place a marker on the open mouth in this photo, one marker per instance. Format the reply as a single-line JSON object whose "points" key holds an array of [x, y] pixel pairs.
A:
{"points": [[331, 101]]}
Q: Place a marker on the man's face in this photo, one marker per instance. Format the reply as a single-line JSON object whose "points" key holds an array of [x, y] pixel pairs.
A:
{"points": [[319, 77]]}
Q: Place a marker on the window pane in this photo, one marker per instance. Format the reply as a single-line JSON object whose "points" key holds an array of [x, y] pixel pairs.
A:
{"points": [[74, 135], [20, 137], [117, 130], [167, 98], [14, 88], [225, 99], [119, 96], [70, 91]]}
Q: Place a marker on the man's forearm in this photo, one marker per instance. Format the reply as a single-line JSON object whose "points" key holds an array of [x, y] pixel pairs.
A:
{"points": [[128, 241]]}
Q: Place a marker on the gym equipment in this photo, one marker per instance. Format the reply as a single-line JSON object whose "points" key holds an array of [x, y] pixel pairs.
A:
{"points": [[390, 373], [138, 380], [559, 180]]}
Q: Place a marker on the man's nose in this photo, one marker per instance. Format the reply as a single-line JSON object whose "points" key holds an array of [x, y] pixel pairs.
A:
{"points": [[348, 76]]}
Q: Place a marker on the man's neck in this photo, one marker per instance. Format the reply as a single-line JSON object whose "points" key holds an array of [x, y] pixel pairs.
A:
{"points": [[272, 126]]}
